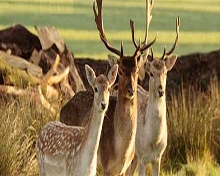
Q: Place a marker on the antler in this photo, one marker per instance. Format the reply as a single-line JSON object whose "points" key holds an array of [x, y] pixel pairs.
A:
{"points": [[149, 7], [100, 27], [176, 40]]}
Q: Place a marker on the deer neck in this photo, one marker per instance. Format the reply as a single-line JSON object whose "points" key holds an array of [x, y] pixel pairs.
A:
{"points": [[125, 124], [92, 135], [157, 105], [156, 118], [126, 110]]}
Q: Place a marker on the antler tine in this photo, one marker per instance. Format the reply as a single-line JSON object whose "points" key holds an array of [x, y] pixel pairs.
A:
{"points": [[122, 53], [100, 27], [144, 47], [177, 37], [137, 51], [164, 53], [152, 53], [149, 7], [132, 33], [152, 4]]}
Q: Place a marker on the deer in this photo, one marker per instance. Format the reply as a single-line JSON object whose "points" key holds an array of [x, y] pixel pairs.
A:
{"points": [[72, 150], [117, 142], [151, 135]]}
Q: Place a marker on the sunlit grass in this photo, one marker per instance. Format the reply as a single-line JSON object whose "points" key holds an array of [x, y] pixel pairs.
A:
{"points": [[20, 124]]}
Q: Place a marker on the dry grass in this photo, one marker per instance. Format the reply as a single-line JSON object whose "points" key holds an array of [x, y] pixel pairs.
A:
{"points": [[193, 124], [21, 121], [193, 143]]}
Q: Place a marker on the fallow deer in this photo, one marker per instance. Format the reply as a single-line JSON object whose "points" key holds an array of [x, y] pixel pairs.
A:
{"points": [[151, 135], [72, 150], [117, 141]]}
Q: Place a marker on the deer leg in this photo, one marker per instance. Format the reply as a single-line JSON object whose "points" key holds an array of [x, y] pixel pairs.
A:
{"points": [[156, 167], [141, 169], [131, 169]]}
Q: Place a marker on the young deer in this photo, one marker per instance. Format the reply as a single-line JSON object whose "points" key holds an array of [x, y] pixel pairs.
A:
{"points": [[72, 150], [116, 147], [151, 135]]}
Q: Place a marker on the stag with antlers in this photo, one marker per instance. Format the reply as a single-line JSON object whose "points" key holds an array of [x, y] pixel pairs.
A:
{"points": [[117, 141]]}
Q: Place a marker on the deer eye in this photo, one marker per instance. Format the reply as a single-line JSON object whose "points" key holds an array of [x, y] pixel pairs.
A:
{"points": [[151, 74], [96, 89]]}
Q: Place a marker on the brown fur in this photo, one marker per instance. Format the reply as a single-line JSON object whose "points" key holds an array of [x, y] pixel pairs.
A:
{"points": [[119, 127]]}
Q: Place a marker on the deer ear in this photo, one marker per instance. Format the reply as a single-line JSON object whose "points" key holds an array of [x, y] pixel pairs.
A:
{"points": [[170, 62], [112, 60], [147, 66], [141, 73], [112, 74], [142, 59], [90, 74]]}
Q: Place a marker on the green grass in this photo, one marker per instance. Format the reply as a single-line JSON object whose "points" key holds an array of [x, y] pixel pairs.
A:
{"points": [[74, 19]]}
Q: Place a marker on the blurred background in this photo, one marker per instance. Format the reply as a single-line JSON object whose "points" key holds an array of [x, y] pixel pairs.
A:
{"points": [[74, 19]]}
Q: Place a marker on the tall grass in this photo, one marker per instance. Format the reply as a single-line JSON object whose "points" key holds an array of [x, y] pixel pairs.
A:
{"points": [[193, 124], [193, 138], [21, 120]]}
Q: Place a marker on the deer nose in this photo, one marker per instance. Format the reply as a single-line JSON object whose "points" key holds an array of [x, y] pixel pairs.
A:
{"points": [[103, 105], [130, 92], [160, 91]]}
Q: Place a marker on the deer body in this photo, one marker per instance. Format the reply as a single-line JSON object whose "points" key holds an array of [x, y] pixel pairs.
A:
{"points": [[119, 129], [151, 136], [71, 150], [116, 146], [121, 148]]}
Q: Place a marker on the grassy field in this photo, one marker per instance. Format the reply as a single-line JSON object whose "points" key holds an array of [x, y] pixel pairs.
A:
{"points": [[74, 19]]}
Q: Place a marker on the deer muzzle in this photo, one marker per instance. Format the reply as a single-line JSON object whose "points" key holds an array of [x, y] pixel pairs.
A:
{"points": [[103, 105], [160, 91]]}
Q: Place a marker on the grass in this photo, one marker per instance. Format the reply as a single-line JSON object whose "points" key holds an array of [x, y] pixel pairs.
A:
{"points": [[74, 19], [193, 133], [21, 122]]}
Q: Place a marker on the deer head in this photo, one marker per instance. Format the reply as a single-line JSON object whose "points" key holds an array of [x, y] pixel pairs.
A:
{"points": [[157, 68], [128, 65], [101, 86]]}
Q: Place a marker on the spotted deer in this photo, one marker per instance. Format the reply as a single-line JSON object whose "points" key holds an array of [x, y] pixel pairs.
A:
{"points": [[151, 135], [116, 147], [72, 150]]}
